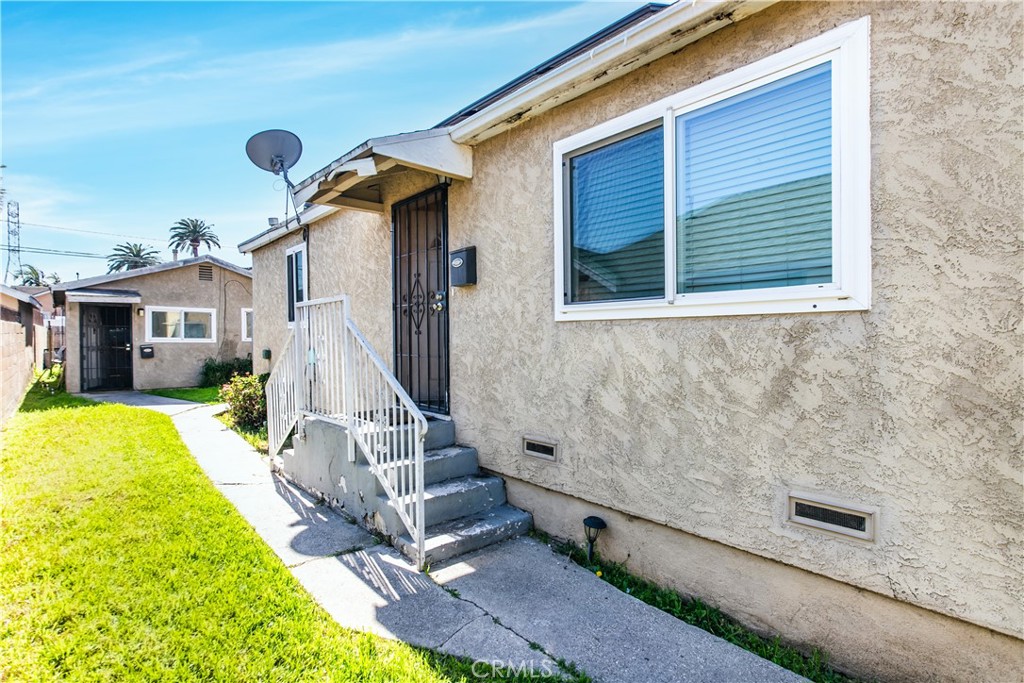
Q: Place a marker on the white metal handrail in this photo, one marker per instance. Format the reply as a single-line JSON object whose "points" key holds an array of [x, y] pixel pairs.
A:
{"points": [[282, 405], [333, 372]]}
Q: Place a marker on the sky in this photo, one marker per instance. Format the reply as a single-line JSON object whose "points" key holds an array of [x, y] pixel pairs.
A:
{"points": [[120, 118]]}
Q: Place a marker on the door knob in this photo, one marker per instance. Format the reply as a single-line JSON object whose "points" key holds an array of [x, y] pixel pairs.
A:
{"points": [[438, 307]]}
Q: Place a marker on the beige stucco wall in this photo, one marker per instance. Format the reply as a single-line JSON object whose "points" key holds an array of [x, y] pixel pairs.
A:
{"points": [[349, 252], [175, 364], [703, 425], [867, 635]]}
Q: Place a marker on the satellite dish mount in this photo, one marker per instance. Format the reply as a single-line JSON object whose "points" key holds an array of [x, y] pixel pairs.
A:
{"points": [[276, 151]]}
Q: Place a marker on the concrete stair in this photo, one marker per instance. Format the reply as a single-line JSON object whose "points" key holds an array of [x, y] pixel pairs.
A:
{"points": [[463, 509]]}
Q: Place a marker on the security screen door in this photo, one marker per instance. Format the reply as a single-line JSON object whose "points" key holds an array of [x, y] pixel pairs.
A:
{"points": [[420, 299]]}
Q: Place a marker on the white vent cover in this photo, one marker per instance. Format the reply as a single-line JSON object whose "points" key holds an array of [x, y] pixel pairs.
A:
{"points": [[539, 447], [819, 512]]}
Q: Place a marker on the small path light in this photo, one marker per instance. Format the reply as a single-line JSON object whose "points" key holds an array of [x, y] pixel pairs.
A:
{"points": [[593, 527]]}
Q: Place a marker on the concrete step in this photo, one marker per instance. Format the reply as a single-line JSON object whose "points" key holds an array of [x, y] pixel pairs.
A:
{"points": [[444, 501], [440, 434], [444, 463], [468, 533]]}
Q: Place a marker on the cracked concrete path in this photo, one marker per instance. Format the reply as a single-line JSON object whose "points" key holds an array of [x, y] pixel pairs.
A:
{"points": [[516, 604]]}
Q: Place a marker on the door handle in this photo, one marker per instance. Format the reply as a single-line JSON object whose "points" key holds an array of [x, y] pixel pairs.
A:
{"points": [[127, 347], [438, 307]]}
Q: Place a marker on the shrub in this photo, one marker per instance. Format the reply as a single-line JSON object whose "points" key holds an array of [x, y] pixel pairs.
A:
{"points": [[216, 372], [247, 403]]}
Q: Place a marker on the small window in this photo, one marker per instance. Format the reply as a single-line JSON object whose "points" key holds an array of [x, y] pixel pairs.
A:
{"points": [[171, 324], [296, 279], [247, 324], [749, 193]]}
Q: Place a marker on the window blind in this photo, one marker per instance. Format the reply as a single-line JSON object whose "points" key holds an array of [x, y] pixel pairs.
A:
{"points": [[754, 184], [617, 220]]}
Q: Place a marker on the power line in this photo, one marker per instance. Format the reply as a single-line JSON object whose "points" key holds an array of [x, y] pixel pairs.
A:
{"points": [[94, 232], [51, 252]]}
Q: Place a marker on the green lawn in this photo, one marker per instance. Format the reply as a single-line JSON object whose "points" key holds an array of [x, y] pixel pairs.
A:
{"points": [[119, 560], [197, 394]]}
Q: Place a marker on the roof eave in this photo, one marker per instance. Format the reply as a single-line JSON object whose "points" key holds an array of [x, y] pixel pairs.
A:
{"points": [[663, 33], [149, 270]]}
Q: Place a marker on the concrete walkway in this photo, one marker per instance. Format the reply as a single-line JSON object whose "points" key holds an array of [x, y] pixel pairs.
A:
{"points": [[515, 604]]}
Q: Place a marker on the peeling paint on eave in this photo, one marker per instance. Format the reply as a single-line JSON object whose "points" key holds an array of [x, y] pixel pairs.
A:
{"points": [[598, 67]]}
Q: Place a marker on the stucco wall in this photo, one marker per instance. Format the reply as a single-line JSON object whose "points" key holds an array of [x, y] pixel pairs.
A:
{"points": [[175, 364], [704, 424], [349, 252]]}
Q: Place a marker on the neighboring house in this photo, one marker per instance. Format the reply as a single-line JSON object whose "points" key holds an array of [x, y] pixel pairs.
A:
{"points": [[748, 288], [153, 327], [53, 322], [22, 339]]}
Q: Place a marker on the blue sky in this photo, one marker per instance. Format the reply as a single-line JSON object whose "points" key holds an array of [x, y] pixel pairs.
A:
{"points": [[124, 117]]}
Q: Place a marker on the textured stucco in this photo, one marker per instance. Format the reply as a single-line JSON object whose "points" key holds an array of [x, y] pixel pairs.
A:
{"points": [[349, 252], [867, 635], [175, 364], [703, 424]]}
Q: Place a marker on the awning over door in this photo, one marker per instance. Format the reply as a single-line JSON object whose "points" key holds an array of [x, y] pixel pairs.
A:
{"points": [[103, 296], [353, 181]]}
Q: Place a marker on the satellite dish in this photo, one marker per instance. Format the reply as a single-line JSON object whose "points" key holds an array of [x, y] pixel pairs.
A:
{"points": [[274, 150]]}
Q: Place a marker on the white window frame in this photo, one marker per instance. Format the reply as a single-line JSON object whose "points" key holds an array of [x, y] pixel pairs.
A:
{"points": [[305, 275], [182, 310], [848, 48], [244, 312]]}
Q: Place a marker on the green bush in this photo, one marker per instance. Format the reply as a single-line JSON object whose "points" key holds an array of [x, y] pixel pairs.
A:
{"points": [[247, 402], [216, 373]]}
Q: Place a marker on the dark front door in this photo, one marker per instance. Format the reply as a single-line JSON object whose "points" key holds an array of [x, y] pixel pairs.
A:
{"points": [[420, 273], [106, 347]]}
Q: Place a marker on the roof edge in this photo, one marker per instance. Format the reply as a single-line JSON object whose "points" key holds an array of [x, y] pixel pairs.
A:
{"points": [[20, 295], [662, 33], [149, 270]]}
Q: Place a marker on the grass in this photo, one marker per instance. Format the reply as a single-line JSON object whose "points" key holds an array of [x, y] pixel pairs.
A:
{"points": [[121, 561], [693, 611], [257, 438], [197, 394]]}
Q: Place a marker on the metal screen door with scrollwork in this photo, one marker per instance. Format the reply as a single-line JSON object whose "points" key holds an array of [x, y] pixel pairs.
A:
{"points": [[106, 347], [420, 299]]}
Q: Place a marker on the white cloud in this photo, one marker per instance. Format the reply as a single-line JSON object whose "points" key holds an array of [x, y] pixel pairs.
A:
{"points": [[163, 88]]}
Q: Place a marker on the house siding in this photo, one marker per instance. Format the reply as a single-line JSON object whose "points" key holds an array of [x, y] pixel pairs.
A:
{"points": [[699, 427], [705, 424], [175, 364]]}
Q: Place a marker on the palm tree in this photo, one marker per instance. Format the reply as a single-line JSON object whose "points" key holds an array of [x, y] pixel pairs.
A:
{"points": [[191, 232], [130, 256], [31, 276]]}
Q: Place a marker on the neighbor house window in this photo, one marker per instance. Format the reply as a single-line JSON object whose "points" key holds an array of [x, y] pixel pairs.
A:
{"points": [[295, 266], [247, 324], [175, 324], [748, 193]]}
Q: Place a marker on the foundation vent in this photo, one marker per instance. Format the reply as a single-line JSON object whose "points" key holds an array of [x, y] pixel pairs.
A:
{"points": [[545, 449], [206, 273], [829, 515]]}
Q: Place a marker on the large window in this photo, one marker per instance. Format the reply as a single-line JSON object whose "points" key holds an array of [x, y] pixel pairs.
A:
{"points": [[176, 324], [746, 194], [296, 280]]}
